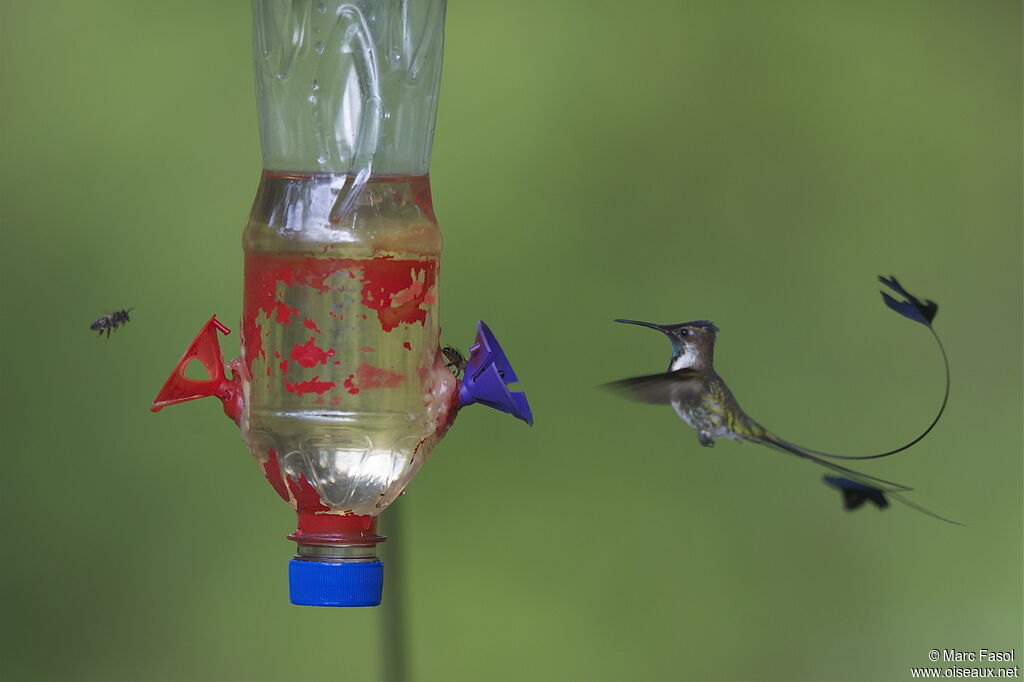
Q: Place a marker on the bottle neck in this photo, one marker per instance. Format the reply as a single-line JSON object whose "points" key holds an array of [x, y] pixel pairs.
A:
{"points": [[336, 553], [342, 537], [347, 86]]}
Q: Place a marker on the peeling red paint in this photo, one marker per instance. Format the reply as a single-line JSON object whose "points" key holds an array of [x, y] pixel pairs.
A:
{"points": [[263, 274], [396, 288], [412, 293], [368, 376], [272, 470], [310, 386], [377, 377], [311, 355], [307, 499], [252, 343], [285, 313], [336, 528]]}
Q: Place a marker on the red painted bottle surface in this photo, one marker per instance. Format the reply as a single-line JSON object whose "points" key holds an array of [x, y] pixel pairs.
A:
{"points": [[345, 389]]}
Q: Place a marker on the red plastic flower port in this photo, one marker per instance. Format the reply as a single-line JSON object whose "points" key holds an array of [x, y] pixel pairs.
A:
{"points": [[179, 388]]}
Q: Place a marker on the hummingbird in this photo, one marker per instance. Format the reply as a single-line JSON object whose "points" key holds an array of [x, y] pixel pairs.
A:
{"points": [[703, 400]]}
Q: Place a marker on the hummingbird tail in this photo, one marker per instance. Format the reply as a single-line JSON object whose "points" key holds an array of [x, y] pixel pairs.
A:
{"points": [[871, 483], [812, 455], [918, 311], [856, 494], [926, 512]]}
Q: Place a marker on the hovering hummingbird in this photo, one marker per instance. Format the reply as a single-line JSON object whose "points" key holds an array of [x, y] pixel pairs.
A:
{"points": [[702, 399]]}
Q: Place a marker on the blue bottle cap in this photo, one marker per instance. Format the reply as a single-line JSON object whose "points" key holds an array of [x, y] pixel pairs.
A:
{"points": [[335, 583]]}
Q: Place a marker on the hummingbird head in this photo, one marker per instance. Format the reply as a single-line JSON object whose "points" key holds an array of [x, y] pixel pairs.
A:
{"points": [[693, 343]]}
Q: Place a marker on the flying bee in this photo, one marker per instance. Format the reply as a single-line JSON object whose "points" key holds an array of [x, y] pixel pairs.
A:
{"points": [[456, 360], [110, 322]]}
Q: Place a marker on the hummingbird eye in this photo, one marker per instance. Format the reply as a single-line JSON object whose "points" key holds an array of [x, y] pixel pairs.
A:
{"points": [[684, 332]]}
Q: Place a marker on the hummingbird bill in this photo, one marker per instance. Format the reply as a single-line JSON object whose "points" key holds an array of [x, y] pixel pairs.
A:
{"points": [[702, 399]]}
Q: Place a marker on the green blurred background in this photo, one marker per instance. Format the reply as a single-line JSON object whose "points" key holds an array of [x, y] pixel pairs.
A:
{"points": [[757, 164]]}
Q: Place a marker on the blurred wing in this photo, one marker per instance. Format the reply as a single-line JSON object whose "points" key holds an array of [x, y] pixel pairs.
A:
{"points": [[659, 389]]}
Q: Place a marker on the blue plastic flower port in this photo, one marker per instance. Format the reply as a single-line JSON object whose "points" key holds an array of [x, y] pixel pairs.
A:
{"points": [[488, 373]]}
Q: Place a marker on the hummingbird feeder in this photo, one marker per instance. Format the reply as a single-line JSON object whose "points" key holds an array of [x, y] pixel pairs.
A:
{"points": [[341, 389]]}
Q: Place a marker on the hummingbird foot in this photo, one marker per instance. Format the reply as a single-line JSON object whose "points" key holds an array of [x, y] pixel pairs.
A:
{"points": [[705, 439]]}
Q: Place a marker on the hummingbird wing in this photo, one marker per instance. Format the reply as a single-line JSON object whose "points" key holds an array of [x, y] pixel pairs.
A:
{"points": [[660, 389]]}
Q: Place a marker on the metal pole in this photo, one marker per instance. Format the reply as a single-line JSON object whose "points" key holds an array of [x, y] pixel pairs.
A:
{"points": [[393, 647]]}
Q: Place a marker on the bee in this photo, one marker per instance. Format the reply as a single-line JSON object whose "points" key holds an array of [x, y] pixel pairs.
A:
{"points": [[456, 360], [110, 322]]}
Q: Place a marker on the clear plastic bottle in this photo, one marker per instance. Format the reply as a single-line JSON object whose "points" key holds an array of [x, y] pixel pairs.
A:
{"points": [[341, 390], [340, 367], [344, 388]]}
